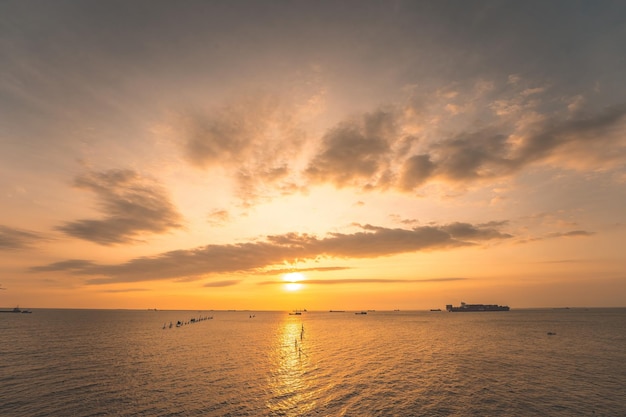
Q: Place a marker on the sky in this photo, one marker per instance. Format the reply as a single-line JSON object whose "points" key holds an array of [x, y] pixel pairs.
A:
{"points": [[281, 155]]}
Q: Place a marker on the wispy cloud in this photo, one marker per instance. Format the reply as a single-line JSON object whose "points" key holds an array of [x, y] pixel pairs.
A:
{"points": [[573, 233], [132, 206], [371, 241], [557, 235], [256, 137], [280, 271], [72, 266], [218, 217], [125, 290], [348, 281], [12, 238], [224, 283], [563, 261]]}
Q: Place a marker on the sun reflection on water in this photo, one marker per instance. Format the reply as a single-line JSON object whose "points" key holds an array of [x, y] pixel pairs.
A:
{"points": [[290, 391]]}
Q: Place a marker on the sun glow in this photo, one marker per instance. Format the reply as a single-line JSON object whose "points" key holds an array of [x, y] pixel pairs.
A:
{"points": [[292, 280]]}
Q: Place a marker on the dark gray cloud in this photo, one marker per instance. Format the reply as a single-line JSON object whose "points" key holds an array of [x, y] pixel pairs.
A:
{"points": [[376, 152], [132, 206], [356, 151], [417, 170], [471, 156], [11, 238], [599, 136], [289, 248]]}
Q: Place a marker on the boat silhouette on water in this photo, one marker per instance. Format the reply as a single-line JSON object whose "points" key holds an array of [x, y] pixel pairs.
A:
{"points": [[16, 310], [468, 308]]}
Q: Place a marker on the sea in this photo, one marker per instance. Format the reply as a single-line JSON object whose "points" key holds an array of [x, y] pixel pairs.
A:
{"points": [[544, 362]]}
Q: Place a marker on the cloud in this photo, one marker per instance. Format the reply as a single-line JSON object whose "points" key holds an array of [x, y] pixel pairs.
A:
{"points": [[417, 170], [581, 142], [314, 269], [356, 151], [408, 147], [257, 137], [71, 265], [230, 134], [557, 235], [132, 206], [573, 233], [125, 290], [218, 217], [495, 131], [12, 238], [371, 241], [365, 281], [562, 261], [225, 283]]}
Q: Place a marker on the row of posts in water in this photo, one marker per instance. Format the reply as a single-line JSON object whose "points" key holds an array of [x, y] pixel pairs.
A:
{"points": [[193, 320]]}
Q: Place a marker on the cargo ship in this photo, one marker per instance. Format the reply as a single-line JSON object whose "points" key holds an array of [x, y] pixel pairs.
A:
{"points": [[466, 308]]}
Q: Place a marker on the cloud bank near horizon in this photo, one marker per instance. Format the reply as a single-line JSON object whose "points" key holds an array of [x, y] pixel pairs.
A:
{"points": [[370, 241]]}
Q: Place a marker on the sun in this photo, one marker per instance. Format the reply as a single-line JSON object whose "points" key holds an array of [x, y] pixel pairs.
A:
{"points": [[293, 281]]}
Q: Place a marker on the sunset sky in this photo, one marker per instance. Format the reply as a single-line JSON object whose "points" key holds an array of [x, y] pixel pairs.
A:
{"points": [[380, 154]]}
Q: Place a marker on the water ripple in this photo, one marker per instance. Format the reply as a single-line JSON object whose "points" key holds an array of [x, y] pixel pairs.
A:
{"points": [[122, 363]]}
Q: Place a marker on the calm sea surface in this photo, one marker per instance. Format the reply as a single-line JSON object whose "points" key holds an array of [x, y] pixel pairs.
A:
{"points": [[123, 363]]}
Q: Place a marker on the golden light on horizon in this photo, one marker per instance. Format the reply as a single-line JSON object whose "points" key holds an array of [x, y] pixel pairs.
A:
{"points": [[293, 280]]}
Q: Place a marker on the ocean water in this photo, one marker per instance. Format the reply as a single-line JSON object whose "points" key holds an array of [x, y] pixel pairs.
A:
{"points": [[245, 363]]}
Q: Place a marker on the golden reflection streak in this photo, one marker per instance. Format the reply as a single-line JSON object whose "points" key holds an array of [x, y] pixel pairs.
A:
{"points": [[291, 394]]}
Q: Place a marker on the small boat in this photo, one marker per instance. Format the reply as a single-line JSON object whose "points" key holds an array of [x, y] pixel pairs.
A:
{"points": [[16, 310], [361, 312]]}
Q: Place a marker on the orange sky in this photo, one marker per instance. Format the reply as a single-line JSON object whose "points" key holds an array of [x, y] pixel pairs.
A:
{"points": [[395, 154]]}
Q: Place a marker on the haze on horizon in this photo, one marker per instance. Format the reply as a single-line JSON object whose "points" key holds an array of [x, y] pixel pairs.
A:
{"points": [[320, 155]]}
